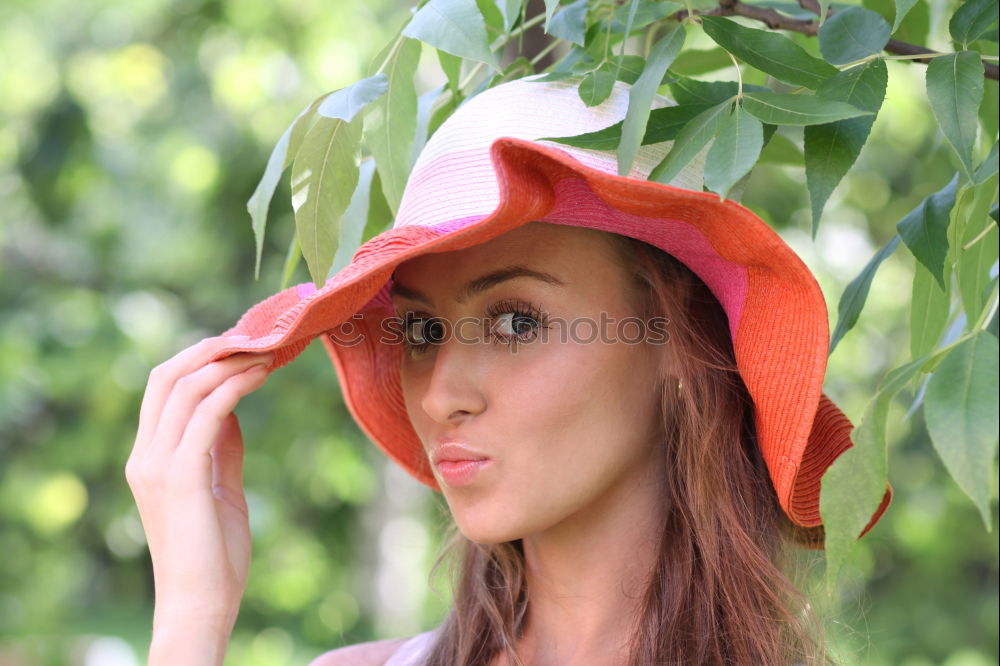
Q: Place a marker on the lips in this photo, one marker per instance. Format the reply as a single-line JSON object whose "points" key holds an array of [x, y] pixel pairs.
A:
{"points": [[452, 451], [457, 463]]}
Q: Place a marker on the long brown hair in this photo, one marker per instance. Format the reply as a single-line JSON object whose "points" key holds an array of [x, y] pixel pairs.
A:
{"points": [[718, 593]]}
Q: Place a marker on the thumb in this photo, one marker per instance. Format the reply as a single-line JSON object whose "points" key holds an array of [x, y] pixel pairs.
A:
{"points": [[227, 463]]}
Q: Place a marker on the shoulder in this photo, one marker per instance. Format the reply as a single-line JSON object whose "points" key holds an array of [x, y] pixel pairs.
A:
{"points": [[375, 653]]}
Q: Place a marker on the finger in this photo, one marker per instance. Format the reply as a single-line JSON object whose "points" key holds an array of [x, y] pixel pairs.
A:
{"points": [[227, 463], [163, 377], [190, 390], [205, 424]]}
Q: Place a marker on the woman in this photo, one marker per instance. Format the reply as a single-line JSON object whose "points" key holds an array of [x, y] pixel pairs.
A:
{"points": [[623, 468]]}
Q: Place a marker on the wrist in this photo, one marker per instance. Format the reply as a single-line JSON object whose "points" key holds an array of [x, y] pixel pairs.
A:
{"points": [[192, 638]]}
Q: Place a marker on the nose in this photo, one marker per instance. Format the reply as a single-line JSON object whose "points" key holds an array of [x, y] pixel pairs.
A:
{"points": [[452, 387]]}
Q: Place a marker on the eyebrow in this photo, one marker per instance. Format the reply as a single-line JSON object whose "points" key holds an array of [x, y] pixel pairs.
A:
{"points": [[482, 283]]}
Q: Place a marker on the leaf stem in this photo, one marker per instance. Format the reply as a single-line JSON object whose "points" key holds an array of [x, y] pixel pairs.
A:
{"points": [[648, 45], [388, 56], [471, 75], [775, 20], [739, 77], [524, 27], [985, 317], [503, 40], [981, 236], [544, 52]]}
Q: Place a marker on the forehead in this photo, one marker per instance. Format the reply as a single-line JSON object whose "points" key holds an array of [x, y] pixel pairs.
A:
{"points": [[580, 258]]}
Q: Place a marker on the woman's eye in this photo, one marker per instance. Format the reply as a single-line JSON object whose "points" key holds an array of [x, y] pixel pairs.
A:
{"points": [[507, 322], [419, 333], [512, 322]]}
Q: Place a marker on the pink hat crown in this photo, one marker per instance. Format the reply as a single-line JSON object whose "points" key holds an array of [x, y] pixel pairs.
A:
{"points": [[453, 182]]}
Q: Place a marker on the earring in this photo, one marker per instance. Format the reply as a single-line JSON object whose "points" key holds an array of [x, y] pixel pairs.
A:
{"points": [[680, 385]]}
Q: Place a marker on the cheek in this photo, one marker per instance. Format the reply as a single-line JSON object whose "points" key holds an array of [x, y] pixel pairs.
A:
{"points": [[581, 400]]}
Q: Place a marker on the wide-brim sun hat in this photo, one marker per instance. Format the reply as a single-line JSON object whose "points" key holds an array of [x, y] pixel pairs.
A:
{"points": [[485, 172]]}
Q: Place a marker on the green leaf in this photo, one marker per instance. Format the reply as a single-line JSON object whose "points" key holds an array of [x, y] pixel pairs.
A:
{"points": [[455, 26], [301, 127], [260, 200], [955, 89], [629, 19], [863, 86], [510, 10], [971, 221], [856, 293], [989, 167], [832, 148], [645, 13], [425, 105], [972, 19], [769, 52], [852, 34], [781, 150], [346, 102], [854, 485], [628, 68], [390, 125], [925, 229], [292, 257], [690, 141], [903, 8], [569, 23], [324, 176], [282, 156], [451, 65], [989, 110], [928, 313], [692, 62], [492, 16], [824, 8], [640, 96], [734, 152], [598, 41], [550, 8], [914, 28], [379, 216], [563, 68], [352, 225], [597, 85], [663, 125], [666, 123], [778, 109], [960, 409], [692, 91]]}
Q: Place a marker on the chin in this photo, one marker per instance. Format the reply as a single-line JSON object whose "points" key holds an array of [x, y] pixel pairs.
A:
{"points": [[491, 527]]}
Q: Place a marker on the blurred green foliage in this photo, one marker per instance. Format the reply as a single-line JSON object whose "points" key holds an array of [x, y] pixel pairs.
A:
{"points": [[131, 136]]}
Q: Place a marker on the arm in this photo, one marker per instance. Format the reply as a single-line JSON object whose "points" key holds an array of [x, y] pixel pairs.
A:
{"points": [[186, 474]]}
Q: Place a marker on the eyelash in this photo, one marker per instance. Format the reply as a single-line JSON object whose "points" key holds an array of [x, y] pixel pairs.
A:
{"points": [[516, 308]]}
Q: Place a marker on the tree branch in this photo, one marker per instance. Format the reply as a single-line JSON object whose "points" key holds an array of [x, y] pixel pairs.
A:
{"points": [[778, 21], [897, 47]]}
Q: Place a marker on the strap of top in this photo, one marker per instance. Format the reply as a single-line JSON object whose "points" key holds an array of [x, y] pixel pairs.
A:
{"points": [[414, 651]]}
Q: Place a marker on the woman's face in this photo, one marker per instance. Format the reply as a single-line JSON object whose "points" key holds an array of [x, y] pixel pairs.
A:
{"points": [[566, 416]]}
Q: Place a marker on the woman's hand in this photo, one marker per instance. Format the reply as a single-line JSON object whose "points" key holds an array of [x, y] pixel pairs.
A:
{"points": [[186, 474]]}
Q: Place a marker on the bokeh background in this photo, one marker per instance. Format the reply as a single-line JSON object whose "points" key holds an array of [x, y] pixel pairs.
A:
{"points": [[131, 136]]}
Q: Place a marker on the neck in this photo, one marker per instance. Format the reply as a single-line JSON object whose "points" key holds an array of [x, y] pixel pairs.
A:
{"points": [[587, 576]]}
